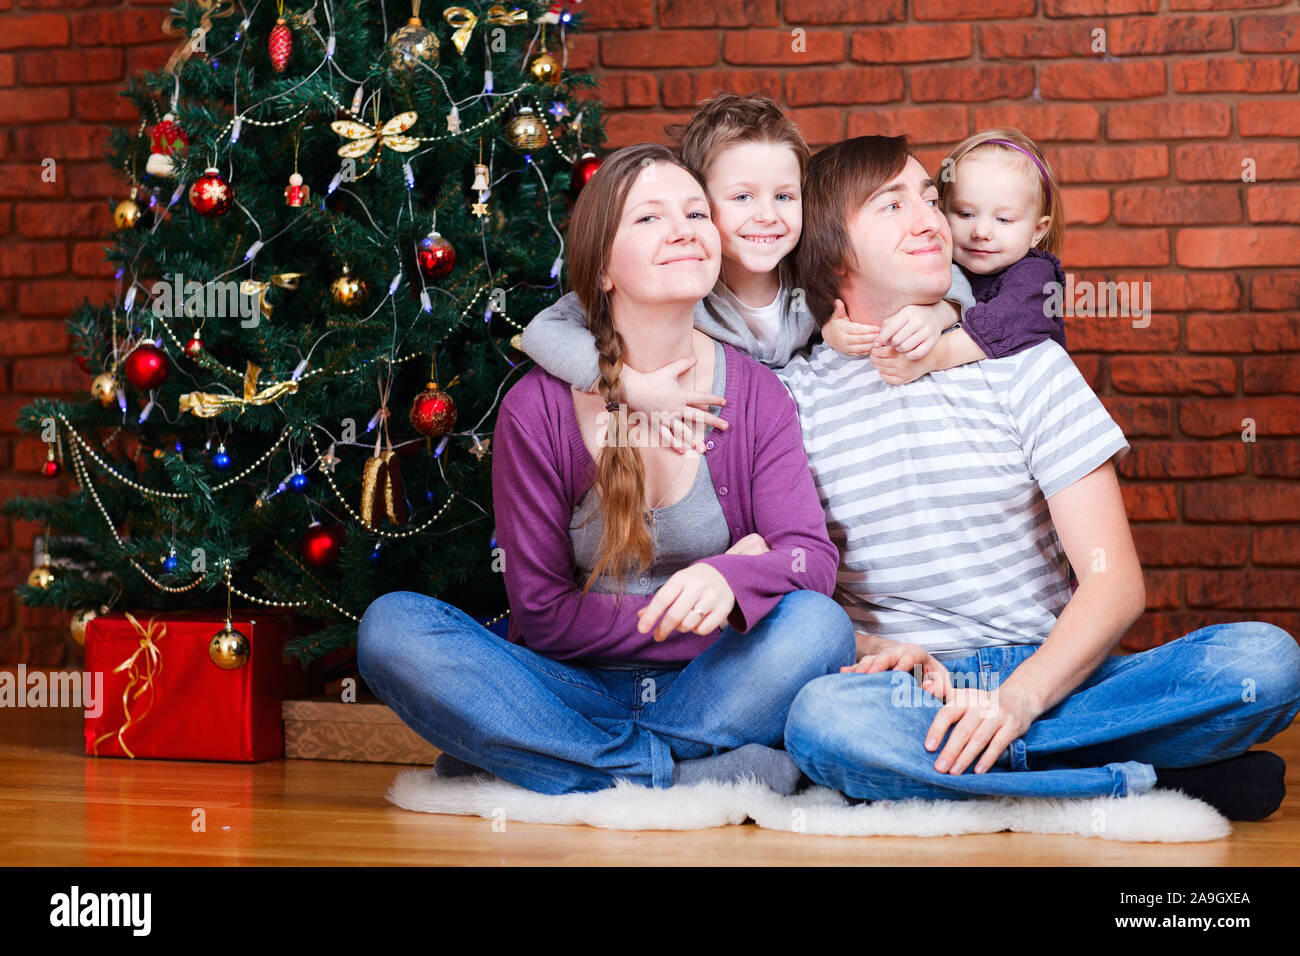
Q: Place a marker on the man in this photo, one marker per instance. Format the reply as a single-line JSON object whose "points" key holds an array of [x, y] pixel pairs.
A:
{"points": [[960, 502]]}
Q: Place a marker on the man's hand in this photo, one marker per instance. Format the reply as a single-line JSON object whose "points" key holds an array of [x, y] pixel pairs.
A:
{"points": [[680, 414], [979, 722], [695, 600], [896, 369], [846, 336], [907, 657]]}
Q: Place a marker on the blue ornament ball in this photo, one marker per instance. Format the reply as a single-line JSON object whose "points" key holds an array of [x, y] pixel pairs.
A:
{"points": [[169, 563], [298, 482], [221, 461]]}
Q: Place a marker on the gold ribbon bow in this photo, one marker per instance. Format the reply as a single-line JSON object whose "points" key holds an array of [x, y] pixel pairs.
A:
{"points": [[463, 21], [208, 405], [140, 677], [174, 24], [281, 280]]}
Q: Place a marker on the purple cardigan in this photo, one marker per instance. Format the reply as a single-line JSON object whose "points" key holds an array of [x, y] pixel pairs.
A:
{"points": [[541, 469], [1010, 314]]}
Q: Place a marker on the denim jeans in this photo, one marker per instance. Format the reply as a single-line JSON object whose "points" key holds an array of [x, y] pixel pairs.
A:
{"points": [[1207, 696], [559, 727]]}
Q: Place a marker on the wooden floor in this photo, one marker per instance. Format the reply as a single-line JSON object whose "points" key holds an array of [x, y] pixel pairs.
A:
{"points": [[61, 808]]}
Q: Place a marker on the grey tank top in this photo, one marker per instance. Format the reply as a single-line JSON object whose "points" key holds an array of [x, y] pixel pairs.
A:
{"points": [[691, 528]]}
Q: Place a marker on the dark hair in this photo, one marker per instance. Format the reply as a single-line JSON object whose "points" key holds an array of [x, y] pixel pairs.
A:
{"points": [[620, 478], [729, 119], [840, 179]]}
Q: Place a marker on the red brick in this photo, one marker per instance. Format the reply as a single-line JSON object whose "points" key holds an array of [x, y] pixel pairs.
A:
{"points": [[843, 11], [1269, 118], [932, 84], [1036, 41], [624, 129], [1277, 459], [971, 9], [716, 13], [24, 180], [1271, 375], [1055, 121], [1225, 75], [1117, 334], [1116, 247], [1086, 207], [1178, 290], [1140, 417], [48, 377], [777, 47], [670, 48], [1092, 8], [78, 141], [1222, 4], [1164, 589], [1220, 418], [822, 126], [8, 69], [1206, 547], [859, 84], [1243, 589], [1104, 164], [100, 181], [1168, 121], [32, 337], [1103, 81], [686, 89], [51, 220], [912, 44], [1235, 503], [1248, 332], [619, 90], [1150, 502], [71, 66], [1171, 460], [148, 59], [26, 259], [582, 52], [1177, 205], [104, 104], [59, 296], [1089, 367], [39, 29], [1225, 161], [117, 28], [1235, 248], [1275, 290], [28, 106], [632, 15], [1272, 34], [1273, 203], [939, 124], [1174, 376], [1154, 630], [1144, 36], [88, 260], [1276, 546]]}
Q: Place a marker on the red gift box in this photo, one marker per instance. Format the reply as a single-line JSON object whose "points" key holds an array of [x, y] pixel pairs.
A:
{"points": [[178, 704]]}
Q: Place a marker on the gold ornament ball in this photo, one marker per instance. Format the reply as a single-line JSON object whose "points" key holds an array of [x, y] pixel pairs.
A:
{"points": [[349, 291], [127, 214], [79, 621], [545, 68], [42, 577], [410, 46], [525, 131], [228, 649], [104, 389]]}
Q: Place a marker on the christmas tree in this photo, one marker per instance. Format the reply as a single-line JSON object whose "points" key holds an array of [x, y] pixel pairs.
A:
{"points": [[338, 221]]}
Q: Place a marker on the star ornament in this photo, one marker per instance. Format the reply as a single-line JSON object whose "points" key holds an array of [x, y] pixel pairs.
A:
{"points": [[365, 138], [479, 209], [453, 122], [480, 447]]}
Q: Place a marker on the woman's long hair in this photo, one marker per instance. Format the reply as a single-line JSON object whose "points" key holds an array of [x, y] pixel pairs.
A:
{"points": [[620, 479]]}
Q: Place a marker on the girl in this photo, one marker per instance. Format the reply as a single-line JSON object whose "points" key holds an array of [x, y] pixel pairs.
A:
{"points": [[752, 160], [665, 610], [1008, 223]]}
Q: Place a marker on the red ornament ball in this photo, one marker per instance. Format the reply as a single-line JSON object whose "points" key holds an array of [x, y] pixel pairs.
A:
{"points": [[436, 256], [280, 45], [194, 347], [584, 169], [50, 469], [321, 544], [147, 367], [433, 413], [211, 195]]}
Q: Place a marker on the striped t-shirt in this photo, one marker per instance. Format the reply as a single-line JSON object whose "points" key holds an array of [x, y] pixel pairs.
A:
{"points": [[935, 492]]}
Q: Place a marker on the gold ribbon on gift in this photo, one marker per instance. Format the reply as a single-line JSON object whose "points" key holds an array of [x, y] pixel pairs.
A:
{"points": [[208, 405], [140, 677], [173, 25], [463, 21], [281, 280]]}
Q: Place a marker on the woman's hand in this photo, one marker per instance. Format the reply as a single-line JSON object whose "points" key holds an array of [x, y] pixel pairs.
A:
{"points": [[914, 329], [695, 600], [680, 414], [935, 679], [753, 543], [846, 336]]}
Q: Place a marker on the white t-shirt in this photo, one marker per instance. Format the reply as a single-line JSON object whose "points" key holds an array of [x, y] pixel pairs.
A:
{"points": [[764, 322], [935, 492]]}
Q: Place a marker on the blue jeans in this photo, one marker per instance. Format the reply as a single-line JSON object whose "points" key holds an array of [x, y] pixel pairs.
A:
{"points": [[558, 727], [1207, 696]]}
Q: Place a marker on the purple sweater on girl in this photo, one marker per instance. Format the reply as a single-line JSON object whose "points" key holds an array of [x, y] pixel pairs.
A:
{"points": [[1010, 312], [541, 468]]}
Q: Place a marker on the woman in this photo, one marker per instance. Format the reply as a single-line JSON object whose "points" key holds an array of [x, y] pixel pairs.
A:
{"points": [[665, 609]]}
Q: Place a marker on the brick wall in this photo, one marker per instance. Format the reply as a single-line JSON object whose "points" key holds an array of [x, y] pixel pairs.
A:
{"points": [[1148, 139]]}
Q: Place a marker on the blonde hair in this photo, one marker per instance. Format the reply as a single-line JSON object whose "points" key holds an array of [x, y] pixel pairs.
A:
{"points": [[729, 119], [1047, 190]]}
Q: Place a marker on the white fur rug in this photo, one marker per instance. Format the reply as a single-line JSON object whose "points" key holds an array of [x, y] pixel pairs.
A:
{"points": [[1161, 816]]}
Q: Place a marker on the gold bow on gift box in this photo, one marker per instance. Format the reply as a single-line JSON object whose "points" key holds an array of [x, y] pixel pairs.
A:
{"points": [[173, 25], [208, 405], [281, 280], [463, 21], [140, 677]]}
